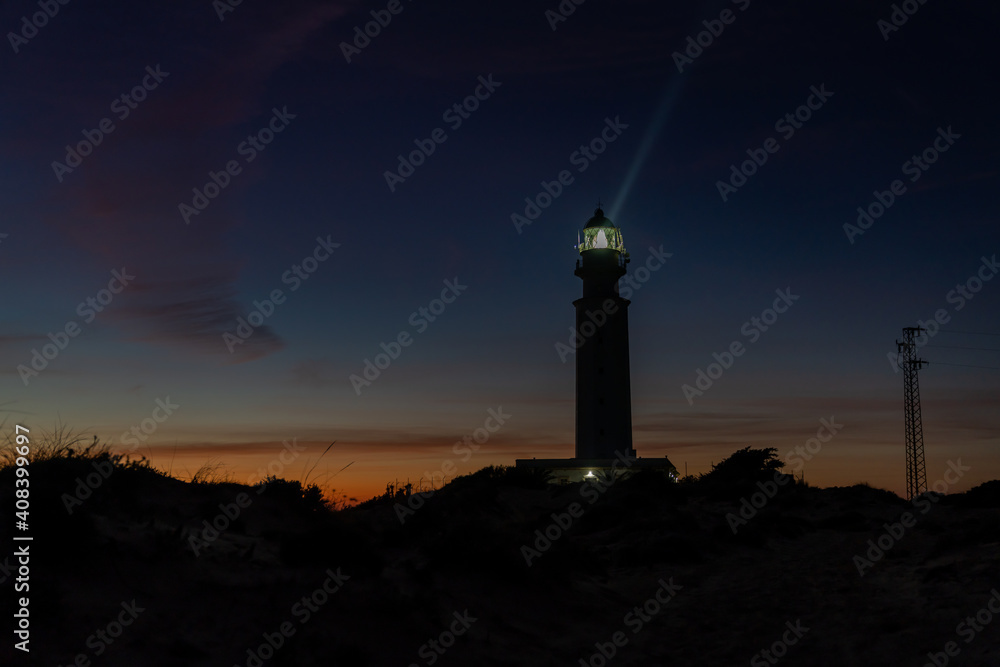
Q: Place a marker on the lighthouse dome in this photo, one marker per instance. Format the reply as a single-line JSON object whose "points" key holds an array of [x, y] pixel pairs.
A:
{"points": [[599, 220]]}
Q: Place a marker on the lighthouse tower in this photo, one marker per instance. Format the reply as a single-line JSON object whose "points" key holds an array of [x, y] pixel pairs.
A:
{"points": [[603, 389]]}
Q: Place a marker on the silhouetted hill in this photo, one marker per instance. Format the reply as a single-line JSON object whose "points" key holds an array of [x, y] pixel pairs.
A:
{"points": [[550, 574]]}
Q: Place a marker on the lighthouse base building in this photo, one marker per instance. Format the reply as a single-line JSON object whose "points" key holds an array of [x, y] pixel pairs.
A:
{"points": [[603, 386]]}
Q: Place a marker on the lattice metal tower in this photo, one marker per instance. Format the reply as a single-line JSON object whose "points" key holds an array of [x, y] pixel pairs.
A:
{"points": [[916, 468]]}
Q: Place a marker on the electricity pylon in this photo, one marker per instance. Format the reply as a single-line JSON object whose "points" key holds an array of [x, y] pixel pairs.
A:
{"points": [[916, 468]]}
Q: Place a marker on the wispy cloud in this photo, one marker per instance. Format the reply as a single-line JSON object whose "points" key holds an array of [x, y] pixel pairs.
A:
{"points": [[120, 206]]}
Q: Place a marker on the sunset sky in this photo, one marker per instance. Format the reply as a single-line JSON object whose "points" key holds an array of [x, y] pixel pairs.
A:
{"points": [[303, 122]]}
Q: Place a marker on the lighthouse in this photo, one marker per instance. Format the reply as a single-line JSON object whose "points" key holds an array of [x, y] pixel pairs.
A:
{"points": [[603, 385], [603, 389]]}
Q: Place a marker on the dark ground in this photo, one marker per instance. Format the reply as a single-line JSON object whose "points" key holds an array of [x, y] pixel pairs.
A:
{"points": [[402, 585]]}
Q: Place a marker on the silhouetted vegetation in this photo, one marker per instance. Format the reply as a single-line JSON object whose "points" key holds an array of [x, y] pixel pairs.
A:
{"points": [[306, 499], [72, 450], [738, 474], [523, 478], [500, 541], [746, 464], [986, 494]]}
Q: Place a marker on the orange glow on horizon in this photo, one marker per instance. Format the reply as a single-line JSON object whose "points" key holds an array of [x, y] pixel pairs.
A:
{"points": [[362, 470]]}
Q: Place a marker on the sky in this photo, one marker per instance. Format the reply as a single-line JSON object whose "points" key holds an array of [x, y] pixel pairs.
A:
{"points": [[214, 216]]}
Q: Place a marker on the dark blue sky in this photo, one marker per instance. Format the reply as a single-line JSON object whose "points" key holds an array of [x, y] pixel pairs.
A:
{"points": [[553, 92]]}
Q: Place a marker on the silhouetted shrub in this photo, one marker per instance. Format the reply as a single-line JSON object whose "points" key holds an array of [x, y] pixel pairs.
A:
{"points": [[738, 475], [746, 463], [291, 493], [986, 494]]}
